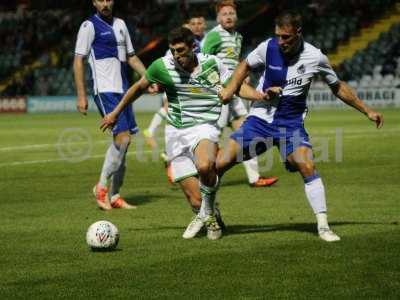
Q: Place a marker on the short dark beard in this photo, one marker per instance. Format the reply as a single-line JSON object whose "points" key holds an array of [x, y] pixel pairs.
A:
{"points": [[104, 17], [296, 50]]}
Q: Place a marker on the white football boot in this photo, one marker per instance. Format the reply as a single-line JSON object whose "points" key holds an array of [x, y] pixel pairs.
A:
{"points": [[328, 235], [193, 228]]}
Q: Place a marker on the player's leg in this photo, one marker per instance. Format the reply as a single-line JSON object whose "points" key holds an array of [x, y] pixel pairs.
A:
{"points": [[190, 187], [228, 157], [114, 162], [104, 104], [184, 172], [249, 141], [191, 190], [122, 141], [205, 154], [251, 165], [302, 160], [186, 175], [114, 157]]}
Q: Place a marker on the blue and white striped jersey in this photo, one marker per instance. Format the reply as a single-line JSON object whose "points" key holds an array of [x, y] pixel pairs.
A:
{"points": [[293, 76], [107, 46]]}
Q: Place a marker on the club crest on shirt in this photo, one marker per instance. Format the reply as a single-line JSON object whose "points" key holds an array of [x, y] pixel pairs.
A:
{"points": [[231, 53], [213, 78], [301, 69]]}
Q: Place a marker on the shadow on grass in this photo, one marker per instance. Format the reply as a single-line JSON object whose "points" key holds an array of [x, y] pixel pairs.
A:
{"points": [[99, 250], [299, 227], [259, 228], [143, 199], [234, 182], [242, 182]]}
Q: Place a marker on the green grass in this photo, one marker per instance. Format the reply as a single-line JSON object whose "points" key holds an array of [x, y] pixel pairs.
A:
{"points": [[271, 249]]}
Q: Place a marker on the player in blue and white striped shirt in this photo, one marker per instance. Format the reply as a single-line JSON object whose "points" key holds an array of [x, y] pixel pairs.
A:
{"points": [[106, 43], [289, 63]]}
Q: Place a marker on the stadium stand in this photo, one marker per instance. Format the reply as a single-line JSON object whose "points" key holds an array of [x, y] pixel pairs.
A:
{"points": [[360, 37]]}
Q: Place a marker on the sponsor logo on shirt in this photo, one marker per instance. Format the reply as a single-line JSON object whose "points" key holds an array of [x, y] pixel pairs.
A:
{"points": [[275, 67], [301, 69], [295, 81]]}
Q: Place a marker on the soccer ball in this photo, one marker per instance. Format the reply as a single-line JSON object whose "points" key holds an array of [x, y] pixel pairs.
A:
{"points": [[102, 235]]}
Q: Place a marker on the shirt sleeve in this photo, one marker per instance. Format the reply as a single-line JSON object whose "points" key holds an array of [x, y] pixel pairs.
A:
{"points": [[154, 71], [258, 57], [326, 71], [85, 39], [130, 51], [211, 44]]}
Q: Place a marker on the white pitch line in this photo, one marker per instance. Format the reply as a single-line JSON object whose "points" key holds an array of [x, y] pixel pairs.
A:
{"points": [[31, 162], [39, 146]]}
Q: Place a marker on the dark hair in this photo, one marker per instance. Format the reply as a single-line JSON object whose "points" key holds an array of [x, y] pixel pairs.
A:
{"points": [[181, 35], [196, 14], [289, 18]]}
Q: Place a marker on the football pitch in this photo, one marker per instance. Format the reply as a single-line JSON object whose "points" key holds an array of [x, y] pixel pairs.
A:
{"points": [[49, 164]]}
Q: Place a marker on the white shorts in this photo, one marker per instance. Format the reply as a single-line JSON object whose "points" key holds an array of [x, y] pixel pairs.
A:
{"points": [[231, 111], [180, 146]]}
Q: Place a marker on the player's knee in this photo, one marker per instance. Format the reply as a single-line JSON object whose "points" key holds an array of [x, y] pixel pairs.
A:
{"points": [[220, 164], [307, 168], [123, 140], [205, 167]]}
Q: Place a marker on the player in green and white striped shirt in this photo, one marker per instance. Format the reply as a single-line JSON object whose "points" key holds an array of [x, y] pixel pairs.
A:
{"points": [[226, 43], [192, 82]]}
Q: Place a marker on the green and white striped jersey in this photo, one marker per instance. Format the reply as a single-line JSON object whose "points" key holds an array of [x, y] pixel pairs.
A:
{"points": [[192, 97], [225, 45]]}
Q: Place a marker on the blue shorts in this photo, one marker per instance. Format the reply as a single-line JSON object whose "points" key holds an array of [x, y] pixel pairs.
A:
{"points": [[256, 136], [106, 102]]}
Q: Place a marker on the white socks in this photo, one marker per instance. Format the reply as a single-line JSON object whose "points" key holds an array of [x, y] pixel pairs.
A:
{"points": [[208, 199], [251, 167], [156, 121], [322, 221], [112, 163], [315, 193]]}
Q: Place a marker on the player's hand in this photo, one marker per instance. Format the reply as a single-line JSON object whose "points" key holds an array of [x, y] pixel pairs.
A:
{"points": [[82, 105], [376, 117], [224, 96], [272, 92], [153, 89], [108, 121]]}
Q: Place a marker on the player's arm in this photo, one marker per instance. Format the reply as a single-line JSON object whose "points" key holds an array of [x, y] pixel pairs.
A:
{"points": [[136, 64], [79, 75], [82, 48], [238, 85], [249, 93], [345, 93], [256, 58], [134, 61], [238, 76], [134, 92]]}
